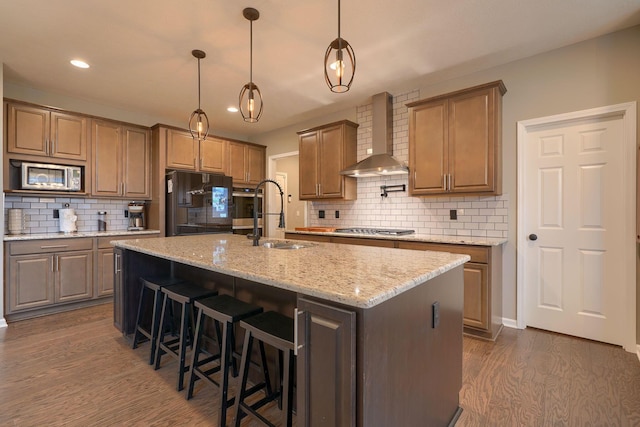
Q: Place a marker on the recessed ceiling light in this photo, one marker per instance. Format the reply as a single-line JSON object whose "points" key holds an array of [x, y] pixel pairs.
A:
{"points": [[232, 109], [78, 63]]}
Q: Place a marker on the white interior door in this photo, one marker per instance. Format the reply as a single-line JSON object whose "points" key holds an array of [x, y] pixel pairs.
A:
{"points": [[574, 227]]}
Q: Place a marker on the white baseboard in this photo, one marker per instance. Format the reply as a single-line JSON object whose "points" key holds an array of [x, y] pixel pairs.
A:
{"points": [[510, 323], [3, 322]]}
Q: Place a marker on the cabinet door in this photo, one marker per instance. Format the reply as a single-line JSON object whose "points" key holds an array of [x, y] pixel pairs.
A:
{"points": [[27, 130], [237, 168], [137, 163], [213, 155], [476, 295], [326, 365], [472, 142], [182, 150], [331, 152], [107, 159], [308, 164], [30, 282], [427, 142], [255, 163], [105, 272], [74, 273], [68, 136]]}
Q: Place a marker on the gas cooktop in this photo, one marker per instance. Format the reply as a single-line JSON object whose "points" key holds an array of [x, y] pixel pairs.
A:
{"points": [[385, 231]]}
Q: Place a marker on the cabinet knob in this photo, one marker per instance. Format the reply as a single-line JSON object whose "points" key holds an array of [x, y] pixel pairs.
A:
{"points": [[533, 237]]}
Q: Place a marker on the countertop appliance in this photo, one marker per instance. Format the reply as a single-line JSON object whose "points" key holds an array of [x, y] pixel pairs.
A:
{"points": [[43, 176], [136, 216], [198, 203], [381, 231], [68, 220]]}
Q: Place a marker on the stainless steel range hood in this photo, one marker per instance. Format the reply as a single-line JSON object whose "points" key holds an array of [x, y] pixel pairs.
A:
{"points": [[381, 161]]}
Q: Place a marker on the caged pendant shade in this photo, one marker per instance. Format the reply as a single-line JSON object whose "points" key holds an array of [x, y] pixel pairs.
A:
{"points": [[250, 98], [198, 121], [339, 63]]}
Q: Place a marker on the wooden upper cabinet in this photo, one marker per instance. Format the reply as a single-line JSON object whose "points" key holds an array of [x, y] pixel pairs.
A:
{"points": [[324, 152], [213, 154], [186, 153], [246, 163], [122, 160], [42, 132], [137, 163], [182, 150], [455, 142]]}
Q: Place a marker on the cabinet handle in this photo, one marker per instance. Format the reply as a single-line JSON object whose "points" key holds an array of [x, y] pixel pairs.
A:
{"points": [[319, 189], [444, 182], [117, 264], [53, 246], [450, 182], [53, 266], [296, 346], [57, 263], [46, 147], [53, 147]]}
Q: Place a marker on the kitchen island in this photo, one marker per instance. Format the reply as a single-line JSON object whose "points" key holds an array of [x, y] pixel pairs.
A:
{"points": [[379, 329]]}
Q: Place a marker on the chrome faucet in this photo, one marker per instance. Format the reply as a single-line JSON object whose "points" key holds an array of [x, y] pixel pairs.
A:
{"points": [[256, 234]]}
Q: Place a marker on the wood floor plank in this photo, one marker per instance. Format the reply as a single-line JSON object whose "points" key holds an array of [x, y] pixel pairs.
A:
{"points": [[75, 369]]}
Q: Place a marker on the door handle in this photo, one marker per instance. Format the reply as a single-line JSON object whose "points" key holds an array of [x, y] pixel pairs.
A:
{"points": [[533, 237], [296, 319]]}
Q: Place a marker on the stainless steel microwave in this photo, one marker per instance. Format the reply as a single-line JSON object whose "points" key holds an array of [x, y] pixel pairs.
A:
{"points": [[41, 176]]}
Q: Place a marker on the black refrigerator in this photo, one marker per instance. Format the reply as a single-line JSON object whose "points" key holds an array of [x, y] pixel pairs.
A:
{"points": [[198, 203]]}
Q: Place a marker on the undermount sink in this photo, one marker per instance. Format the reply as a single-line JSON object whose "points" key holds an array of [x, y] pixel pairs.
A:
{"points": [[285, 244]]}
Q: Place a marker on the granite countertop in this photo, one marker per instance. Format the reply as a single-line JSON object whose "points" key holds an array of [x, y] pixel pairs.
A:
{"points": [[41, 236], [358, 276], [429, 238]]}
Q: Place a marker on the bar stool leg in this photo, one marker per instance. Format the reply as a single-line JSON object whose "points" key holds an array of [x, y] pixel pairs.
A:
{"points": [[136, 333], [161, 333], [287, 417], [155, 326], [196, 352], [244, 373], [224, 365], [182, 350]]}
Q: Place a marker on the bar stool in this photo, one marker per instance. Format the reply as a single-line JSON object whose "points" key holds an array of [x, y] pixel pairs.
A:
{"points": [[153, 286], [225, 312], [276, 330], [185, 294]]}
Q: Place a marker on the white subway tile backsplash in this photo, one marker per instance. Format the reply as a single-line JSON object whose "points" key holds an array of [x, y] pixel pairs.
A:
{"points": [[39, 213], [483, 216]]}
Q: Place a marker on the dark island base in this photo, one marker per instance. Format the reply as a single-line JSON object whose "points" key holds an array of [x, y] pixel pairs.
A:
{"points": [[381, 366]]}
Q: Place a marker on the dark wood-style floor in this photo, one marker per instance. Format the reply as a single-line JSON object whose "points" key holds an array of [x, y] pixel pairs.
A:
{"points": [[75, 369]]}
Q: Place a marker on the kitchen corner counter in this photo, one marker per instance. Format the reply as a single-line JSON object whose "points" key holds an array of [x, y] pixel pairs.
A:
{"points": [[357, 276], [428, 238], [79, 234]]}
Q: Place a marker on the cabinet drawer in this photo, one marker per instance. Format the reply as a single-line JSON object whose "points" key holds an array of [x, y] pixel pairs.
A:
{"points": [[477, 253], [104, 242], [363, 242], [50, 245]]}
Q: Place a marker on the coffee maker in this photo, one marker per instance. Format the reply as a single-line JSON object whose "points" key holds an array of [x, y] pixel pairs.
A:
{"points": [[136, 216]]}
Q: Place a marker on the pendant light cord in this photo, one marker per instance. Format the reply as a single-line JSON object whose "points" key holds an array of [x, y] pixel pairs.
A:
{"points": [[199, 84], [250, 55]]}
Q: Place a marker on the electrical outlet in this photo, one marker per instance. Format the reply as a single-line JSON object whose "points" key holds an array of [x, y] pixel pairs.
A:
{"points": [[56, 213], [321, 214], [453, 214], [337, 214], [126, 213]]}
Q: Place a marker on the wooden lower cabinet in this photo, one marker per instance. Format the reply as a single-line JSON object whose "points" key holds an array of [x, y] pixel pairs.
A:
{"points": [[327, 378], [43, 273], [52, 275]]}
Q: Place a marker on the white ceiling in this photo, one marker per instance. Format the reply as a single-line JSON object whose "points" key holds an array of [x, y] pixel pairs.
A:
{"points": [[140, 50]]}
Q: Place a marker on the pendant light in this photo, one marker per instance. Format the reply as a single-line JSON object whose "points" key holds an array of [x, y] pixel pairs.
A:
{"points": [[250, 98], [339, 63], [199, 122]]}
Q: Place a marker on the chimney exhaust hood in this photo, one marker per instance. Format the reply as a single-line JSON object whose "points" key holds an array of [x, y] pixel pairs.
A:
{"points": [[381, 162]]}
